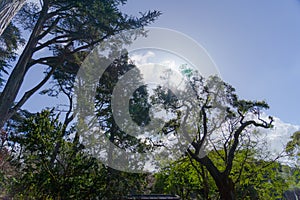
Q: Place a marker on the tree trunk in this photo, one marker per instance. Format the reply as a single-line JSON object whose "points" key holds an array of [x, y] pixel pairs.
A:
{"points": [[15, 80], [8, 9], [226, 188], [223, 181]]}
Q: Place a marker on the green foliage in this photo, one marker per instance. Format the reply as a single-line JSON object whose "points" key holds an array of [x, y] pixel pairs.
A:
{"points": [[258, 179], [181, 178], [292, 174], [73, 175], [253, 179], [293, 146]]}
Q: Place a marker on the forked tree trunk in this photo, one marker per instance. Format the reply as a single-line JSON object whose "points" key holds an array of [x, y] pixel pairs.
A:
{"points": [[8, 9], [223, 182]]}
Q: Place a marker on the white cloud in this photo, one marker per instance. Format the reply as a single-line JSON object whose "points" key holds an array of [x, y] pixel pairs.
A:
{"points": [[141, 59], [278, 136], [170, 64]]}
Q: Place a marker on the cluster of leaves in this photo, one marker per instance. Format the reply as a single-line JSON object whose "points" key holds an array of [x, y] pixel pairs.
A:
{"points": [[258, 179], [73, 174], [293, 146], [182, 179]]}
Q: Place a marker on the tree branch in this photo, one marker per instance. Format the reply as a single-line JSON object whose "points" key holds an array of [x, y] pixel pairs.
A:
{"points": [[29, 93], [236, 140], [53, 24], [51, 41], [213, 170]]}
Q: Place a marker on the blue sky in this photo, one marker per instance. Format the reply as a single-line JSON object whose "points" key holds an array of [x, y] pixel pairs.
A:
{"points": [[255, 44]]}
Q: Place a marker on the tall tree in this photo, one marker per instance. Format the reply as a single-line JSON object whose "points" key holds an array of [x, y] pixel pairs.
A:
{"points": [[221, 123], [66, 30], [233, 121]]}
